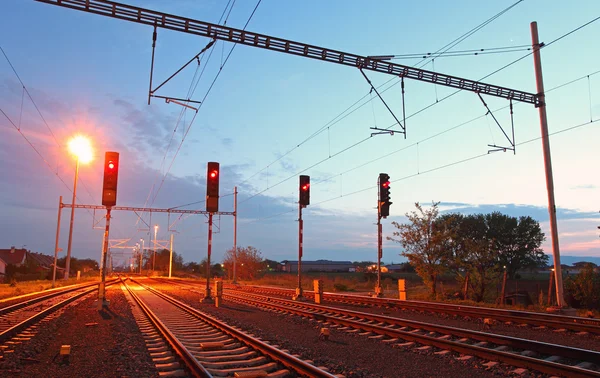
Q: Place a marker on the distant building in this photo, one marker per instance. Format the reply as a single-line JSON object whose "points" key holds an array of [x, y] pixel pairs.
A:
{"points": [[11, 256], [318, 266], [395, 268], [43, 261]]}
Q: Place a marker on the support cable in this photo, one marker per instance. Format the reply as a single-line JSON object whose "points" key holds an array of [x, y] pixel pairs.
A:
{"points": [[428, 171], [348, 110], [405, 147]]}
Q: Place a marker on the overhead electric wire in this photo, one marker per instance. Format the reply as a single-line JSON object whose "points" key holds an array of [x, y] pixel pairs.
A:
{"points": [[452, 54], [41, 116], [38, 153], [429, 170], [399, 150], [348, 110], [189, 95], [204, 100], [197, 202], [417, 112]]}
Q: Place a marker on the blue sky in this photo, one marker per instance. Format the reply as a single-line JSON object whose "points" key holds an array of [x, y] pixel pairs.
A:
{"points": [[89, 74]]}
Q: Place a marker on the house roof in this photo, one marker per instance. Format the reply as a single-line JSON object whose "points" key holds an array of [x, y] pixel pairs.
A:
{"points": [[43, 260], [13, 256], [395, 266]]}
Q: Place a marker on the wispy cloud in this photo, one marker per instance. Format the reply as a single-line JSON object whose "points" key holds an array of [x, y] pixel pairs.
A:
{"points": [[589, 186]]}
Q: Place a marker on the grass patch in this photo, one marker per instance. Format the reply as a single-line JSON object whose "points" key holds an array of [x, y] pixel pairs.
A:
{"points": [[27, 287]]}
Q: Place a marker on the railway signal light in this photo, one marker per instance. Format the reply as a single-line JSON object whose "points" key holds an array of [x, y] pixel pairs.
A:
{"points": [[384, 195], [304, 190], [212, 187], [111, 175]]}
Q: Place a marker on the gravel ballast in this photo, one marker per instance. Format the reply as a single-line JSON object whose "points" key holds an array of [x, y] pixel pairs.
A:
{"points": [[103, 343], [344, 353]]}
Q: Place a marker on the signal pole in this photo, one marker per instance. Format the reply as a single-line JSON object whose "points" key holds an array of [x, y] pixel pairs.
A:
{"points": [[207, 297], [383, 211], [171, 256], [547, 163], [102, 286], [299, 293], [379, 240], [235, 234], [303, 201], [378, 291]]}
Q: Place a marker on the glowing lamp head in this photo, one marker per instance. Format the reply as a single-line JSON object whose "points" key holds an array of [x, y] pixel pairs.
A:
{"points": [[305, 187], [213, 174], [81, 148], [111, 165], [386, 184]]}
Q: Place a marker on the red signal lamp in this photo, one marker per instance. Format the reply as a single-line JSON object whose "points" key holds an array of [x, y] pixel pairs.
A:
{"points": [[213, 174], [305, 187], [386, 184], [111, 165]]}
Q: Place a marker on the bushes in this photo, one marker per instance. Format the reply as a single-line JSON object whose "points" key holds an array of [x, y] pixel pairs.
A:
{"points": [[583, 290]]}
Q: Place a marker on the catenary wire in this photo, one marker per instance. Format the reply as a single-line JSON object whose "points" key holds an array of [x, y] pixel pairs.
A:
{"points": [[414, 114], [348, 110], [181, 113], [82, 182], [202, 102], [587, 123]]}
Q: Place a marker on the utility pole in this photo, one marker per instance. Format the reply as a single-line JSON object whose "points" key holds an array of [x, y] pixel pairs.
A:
{"points": [[235, 234], [547, 163], [56, 243], [171, 256]]}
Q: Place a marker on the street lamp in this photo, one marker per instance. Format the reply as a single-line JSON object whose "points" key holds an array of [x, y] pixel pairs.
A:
{"points": [[79, 146], [154, 256]]}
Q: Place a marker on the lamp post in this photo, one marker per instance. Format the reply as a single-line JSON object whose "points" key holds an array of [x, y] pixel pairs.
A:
{"points": [[80, 147], [154, 249]]}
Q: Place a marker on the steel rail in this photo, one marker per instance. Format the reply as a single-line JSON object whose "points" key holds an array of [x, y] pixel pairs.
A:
{"points": [[205, 29], [332, 315], [191, 363], [43, 297], [574, 323], [10, 332], [280, 356]]}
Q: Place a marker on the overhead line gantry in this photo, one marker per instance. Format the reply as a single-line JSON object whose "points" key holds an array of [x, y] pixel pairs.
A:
{"points": [[376, 64], [248, 38]]}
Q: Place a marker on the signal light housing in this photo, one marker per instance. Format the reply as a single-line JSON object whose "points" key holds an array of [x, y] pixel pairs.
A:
{"points": [[304, 190], [384, 195], [212, 187], [111, 175]]}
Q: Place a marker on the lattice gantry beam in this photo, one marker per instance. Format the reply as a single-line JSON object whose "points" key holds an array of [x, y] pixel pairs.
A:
{"points": [[205, 29]]}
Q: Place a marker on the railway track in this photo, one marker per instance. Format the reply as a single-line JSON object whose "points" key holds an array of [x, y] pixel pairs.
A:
{"points": [[543, 357], [571, 323], [17, 322], [186, 342]]}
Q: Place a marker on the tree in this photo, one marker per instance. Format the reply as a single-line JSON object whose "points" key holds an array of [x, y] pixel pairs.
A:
{"points": [[423, 240], [482, 258], [481, 245], [518, 242], [249, 263], [584, 287]]}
